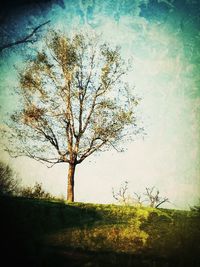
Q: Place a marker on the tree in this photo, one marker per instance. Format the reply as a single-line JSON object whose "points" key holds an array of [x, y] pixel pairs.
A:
{"points": [[153, 197], [8, 182], [74, 101]]}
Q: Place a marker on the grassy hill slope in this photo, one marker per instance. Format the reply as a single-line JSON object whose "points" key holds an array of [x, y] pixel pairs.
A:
{"points": [[44, 233]]}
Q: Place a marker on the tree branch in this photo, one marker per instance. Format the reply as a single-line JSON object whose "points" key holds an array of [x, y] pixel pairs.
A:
{"points": [[91, 110], [90, 151], [161, 202], [27, 153], [26, 39]]}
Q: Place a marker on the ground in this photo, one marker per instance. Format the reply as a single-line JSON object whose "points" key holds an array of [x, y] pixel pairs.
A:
{"points": [[50, 233]]}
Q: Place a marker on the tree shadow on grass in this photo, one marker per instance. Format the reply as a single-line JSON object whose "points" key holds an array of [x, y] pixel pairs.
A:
{"points": [[24, 223]]}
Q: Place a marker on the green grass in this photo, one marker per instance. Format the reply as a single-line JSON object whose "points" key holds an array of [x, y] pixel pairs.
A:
{"points": [[45, 233]]}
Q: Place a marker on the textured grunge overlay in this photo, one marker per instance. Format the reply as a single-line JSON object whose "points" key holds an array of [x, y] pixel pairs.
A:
{"points": [[162, 38]]}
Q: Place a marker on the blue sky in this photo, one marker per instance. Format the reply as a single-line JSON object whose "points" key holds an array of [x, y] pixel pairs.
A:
{"points": [[163, 39]]}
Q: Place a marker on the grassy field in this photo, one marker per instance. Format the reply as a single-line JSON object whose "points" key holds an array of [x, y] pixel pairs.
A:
{"points": [[44, 233]]}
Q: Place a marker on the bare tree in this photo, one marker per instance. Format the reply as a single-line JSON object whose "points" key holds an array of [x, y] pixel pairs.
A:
{"points": [[138, 199], [121, 195], [153, 197], [73, 102], [28, 38]]}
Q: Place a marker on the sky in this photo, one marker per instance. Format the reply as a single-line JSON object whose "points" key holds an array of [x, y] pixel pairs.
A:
{"points": [[163, 38]]}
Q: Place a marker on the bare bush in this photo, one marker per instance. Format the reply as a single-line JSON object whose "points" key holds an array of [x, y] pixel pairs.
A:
{"points": [[121, 195], [152, 197], [137, 199]]}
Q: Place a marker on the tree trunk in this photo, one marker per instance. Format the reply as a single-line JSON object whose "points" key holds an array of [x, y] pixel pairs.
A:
{"points": [[70, 183]]}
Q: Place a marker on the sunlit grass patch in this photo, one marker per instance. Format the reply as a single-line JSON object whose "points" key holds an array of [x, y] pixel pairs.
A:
{"points": [[116, 228], [119, 238]]}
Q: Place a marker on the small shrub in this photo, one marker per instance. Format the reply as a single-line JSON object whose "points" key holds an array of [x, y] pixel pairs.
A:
{"points": [[9, 185], [35, 192]]}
